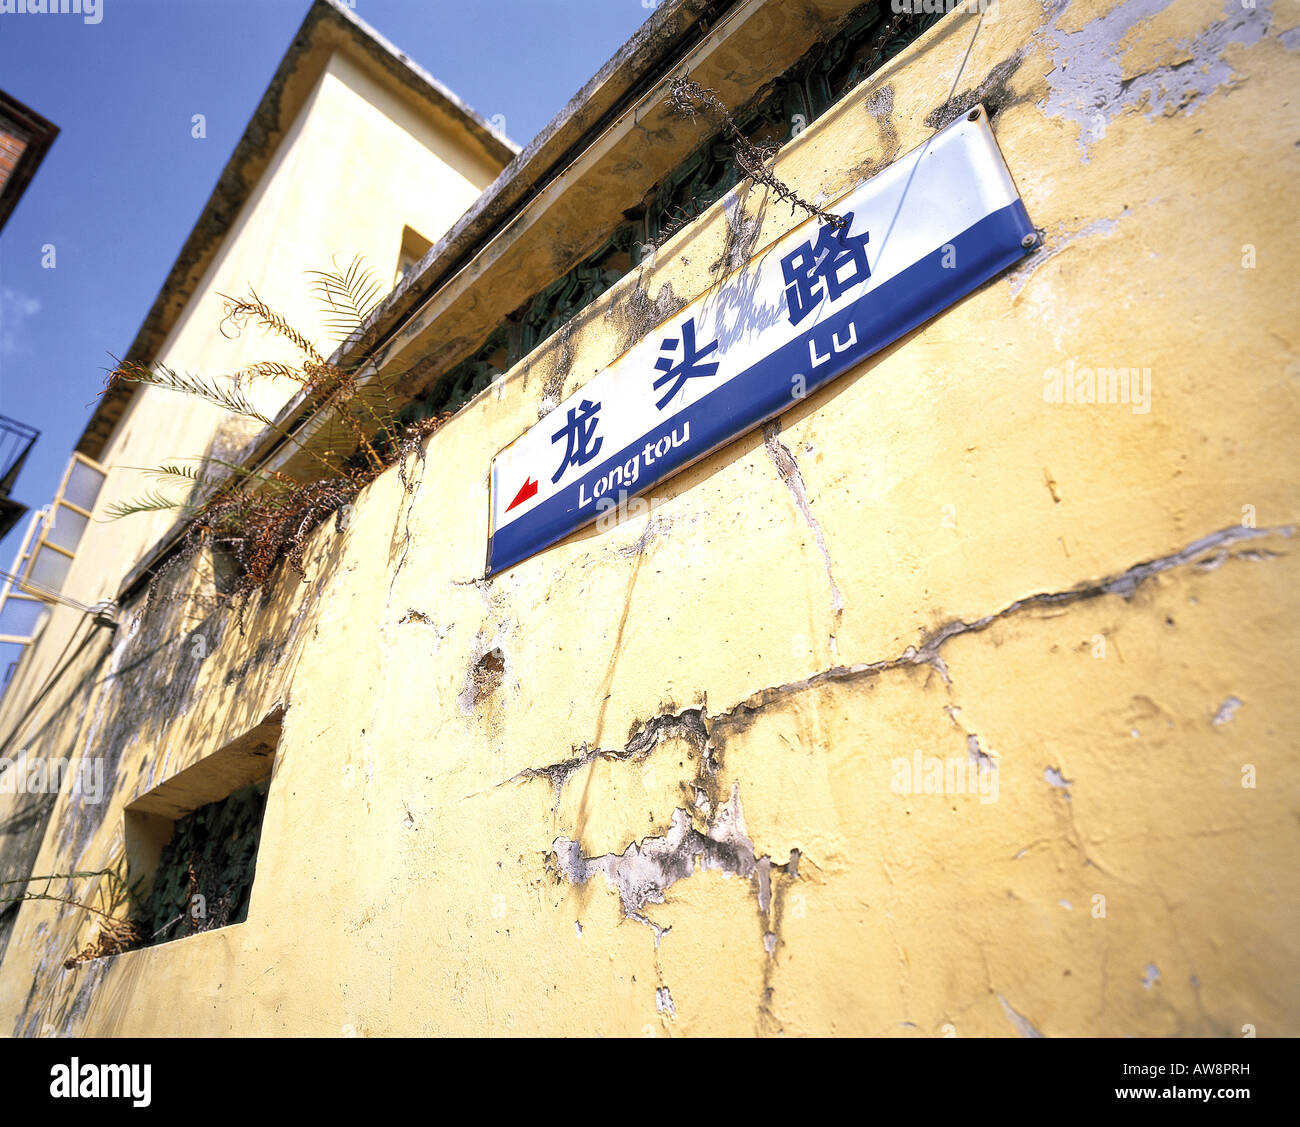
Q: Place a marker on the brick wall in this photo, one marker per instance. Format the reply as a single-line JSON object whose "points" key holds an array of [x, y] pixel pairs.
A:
{"points": [[11, 151]]}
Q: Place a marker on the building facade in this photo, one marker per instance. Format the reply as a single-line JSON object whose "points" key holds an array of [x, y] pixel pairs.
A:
{"points": [[952, 700]]}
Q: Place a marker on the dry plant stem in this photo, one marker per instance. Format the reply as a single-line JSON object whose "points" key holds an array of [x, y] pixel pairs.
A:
{"points": [[115, 933], [264, 517], [57, 900]]}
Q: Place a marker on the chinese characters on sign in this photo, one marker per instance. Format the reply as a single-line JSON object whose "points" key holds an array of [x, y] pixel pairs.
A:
{"points": [[579, 433], [825, 269], [811, 305], [690, 365]]}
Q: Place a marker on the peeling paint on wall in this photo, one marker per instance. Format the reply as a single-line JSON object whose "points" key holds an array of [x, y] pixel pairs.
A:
{"points": [[1089, 87]]}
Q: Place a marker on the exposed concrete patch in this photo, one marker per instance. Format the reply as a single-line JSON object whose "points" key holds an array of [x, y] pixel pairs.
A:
{"points": [[646, 869], [643, 872], [1226, 711], [982, 759], [1088, 87], [1150, 976], [664, 1001], [1050, 247], [1058, 780], [1023, 1025], [978, 755], [788, 469], [994, 93], [486, 672]]}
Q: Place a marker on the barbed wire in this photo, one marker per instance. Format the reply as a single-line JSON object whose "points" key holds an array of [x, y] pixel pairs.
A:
{"points": [[691, 101]]}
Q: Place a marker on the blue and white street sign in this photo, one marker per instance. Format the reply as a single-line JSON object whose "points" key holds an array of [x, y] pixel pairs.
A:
{"points": [[922, 233]]}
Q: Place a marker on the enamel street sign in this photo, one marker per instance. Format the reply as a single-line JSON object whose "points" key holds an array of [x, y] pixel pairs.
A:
{"points": [[922, 233]]}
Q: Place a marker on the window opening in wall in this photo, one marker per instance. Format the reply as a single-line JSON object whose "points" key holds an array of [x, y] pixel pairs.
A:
{"points": [[414, 247], [192, 842]]}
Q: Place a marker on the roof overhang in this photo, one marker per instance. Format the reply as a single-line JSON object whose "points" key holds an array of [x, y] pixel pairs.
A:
{"points": [[38, 135]]}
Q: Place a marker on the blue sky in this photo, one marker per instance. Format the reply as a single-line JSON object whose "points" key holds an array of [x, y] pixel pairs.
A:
{"points": [[125, 181]]}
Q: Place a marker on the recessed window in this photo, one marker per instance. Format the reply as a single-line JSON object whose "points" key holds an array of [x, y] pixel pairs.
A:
{"points": [[414, 247], [192, 842]]}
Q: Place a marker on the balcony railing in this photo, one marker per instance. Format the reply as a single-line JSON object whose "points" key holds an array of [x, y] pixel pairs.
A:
{"points": [[16, 442]]}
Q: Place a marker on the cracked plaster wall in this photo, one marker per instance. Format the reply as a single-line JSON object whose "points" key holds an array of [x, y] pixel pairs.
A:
{"points": [[659, 779]]}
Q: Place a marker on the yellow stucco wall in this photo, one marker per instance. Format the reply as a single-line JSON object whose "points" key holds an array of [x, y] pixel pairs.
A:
{"points": [[648, 782]]}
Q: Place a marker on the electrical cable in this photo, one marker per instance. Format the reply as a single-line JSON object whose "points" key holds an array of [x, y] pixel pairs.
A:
{"points": [[61, 668], [45, 594]]}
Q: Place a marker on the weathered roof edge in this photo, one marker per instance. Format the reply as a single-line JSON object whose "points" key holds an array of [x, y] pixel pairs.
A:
{"points": [[249, 161], [403, 67], [39, 135]]}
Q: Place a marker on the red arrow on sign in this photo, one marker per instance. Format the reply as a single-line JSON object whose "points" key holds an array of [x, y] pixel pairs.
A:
{"points": [[529, 489]]}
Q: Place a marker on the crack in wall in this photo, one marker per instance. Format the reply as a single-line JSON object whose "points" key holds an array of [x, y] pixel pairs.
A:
{"points": [[646, 869], [688, 725], [1124, 584], [789, 472], [1207, 553], [1023, 1025], [983, 760]]}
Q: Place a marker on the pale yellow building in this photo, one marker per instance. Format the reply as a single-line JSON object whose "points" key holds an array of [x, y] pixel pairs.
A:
{"points": [[956, 701]]}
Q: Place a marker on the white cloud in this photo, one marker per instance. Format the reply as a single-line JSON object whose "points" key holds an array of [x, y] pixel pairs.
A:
{"points": [[15, 309]]}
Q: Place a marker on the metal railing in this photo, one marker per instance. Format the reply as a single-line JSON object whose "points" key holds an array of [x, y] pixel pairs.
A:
{"points": [[16, 440]]}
